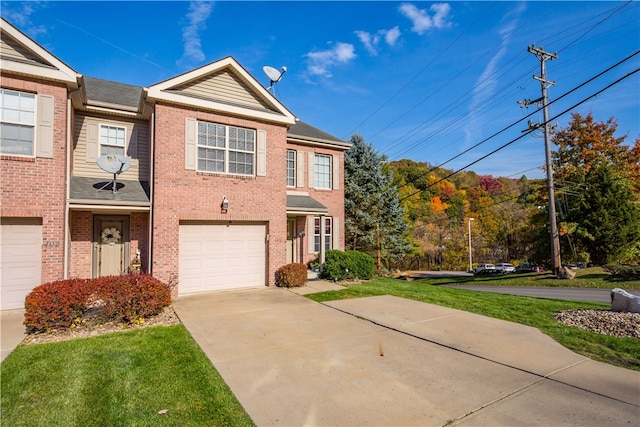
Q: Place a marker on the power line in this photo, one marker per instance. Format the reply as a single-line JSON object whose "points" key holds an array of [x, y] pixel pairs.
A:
{"points": [[525, 117], [527, 132]]}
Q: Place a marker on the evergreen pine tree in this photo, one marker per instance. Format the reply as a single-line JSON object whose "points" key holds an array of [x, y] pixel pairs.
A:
{"points": [[374, 218]]}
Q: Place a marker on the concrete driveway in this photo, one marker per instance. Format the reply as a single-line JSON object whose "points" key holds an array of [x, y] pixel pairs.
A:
{"points": [[390, 361]]}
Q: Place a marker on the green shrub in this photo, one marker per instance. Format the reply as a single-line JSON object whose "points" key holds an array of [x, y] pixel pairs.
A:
{"points": [[363, 264], [347, 265], [626, 271], [291, 275], [124, 298], [56, 304], [131, 297]]}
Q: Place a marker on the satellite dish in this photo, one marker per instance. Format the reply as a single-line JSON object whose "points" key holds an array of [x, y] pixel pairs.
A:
{"points": [[273, 74], [115, 164]]}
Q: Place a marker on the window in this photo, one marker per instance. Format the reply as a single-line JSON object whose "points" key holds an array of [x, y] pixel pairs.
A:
{"points": [[18, 122], [322, 171], [327, 234], [226, 149], [112, 139], [291, 168]]}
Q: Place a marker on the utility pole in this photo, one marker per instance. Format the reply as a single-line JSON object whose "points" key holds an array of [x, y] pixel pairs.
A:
{"points": [[544, 83]]}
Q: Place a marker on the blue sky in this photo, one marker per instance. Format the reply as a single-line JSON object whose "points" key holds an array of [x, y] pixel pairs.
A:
{"points": [[419, 80]]}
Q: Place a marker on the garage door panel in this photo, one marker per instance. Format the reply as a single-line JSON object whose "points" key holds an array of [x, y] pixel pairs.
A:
{"points": [[221, 256], [20, 261]]}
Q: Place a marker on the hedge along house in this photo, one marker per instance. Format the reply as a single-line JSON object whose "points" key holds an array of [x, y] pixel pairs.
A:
{"points": [[222, 186]]}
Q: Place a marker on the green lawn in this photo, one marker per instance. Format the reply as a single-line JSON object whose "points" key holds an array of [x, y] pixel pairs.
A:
{"points": [[593, 277], [536, 312], [120, 379]]}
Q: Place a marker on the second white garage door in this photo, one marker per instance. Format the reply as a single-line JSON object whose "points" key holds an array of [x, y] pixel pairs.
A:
{"points": [[20, 260], [221, 256]]}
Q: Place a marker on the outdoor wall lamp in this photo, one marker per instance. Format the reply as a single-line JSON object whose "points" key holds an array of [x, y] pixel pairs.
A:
{"points": [[301, 234], [225, 204]]}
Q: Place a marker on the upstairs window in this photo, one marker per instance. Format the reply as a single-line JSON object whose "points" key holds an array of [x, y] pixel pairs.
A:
{"points": [[226, 149], [291, 168], [112, 139], [322, 171], [17, 124]]}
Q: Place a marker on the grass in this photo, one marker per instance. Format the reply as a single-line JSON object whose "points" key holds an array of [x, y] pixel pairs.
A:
{"points": [[593, 277], [121, 379], [536, 312]]}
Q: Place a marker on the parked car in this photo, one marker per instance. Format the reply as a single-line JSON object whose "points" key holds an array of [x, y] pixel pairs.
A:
{"points": [[505, 267], [484, 269], [528, 268]]}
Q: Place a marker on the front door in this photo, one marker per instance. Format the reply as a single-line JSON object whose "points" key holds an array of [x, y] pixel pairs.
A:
{"points": [[110, 248], [291, 240]]}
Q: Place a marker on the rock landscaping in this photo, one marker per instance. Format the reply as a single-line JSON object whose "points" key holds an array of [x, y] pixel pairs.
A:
{"points": [[613, 323]]}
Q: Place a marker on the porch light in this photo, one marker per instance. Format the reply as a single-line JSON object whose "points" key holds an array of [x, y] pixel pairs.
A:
{"points": [[225, 204]]}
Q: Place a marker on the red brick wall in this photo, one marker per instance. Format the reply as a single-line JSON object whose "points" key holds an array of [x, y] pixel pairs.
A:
{"points": [[139, 232], [187, 195], [36, 187], [80, 244], [332, 199]]}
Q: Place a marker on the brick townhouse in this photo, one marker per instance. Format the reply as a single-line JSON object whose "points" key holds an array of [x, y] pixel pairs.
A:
{"points": [[204, 179]]}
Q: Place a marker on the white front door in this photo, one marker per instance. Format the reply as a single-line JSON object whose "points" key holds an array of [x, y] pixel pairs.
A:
{"points": [[110, 246]]}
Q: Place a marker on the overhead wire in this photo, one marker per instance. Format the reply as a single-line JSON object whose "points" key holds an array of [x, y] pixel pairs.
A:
{"points": [[527, 116], [527, 132], [452, 106]]}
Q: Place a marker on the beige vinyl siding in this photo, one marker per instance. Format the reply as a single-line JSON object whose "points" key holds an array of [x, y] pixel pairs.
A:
{"points": [[226, 87], [137, 148], [9, 48]]}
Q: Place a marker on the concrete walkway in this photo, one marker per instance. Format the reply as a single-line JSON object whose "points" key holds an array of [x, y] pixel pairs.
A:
{"points": [[390, 361], [12, 331]]}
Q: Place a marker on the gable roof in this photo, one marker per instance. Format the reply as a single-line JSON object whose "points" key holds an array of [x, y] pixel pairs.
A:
{"points": [[304, 133], [20, 54], [223, 86]]}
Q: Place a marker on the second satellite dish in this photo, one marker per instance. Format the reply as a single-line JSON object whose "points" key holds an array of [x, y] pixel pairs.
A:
{"points": [[115, 164], [273, 74]]}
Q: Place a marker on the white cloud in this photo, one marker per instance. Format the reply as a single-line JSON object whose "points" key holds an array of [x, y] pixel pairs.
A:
{"points": [[371, 42], [199, 12], [486, 83], [20, 16], [320, 62], [392, 36], [421, 19]]}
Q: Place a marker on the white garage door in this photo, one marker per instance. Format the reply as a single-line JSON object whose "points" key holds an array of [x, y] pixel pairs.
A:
{"points": [[20, 261], [221, 256]]}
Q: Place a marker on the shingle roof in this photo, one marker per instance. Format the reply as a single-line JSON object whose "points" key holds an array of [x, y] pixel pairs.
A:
{"points": [[304, 203], [112, 92], [83, 188], [306, 130]]}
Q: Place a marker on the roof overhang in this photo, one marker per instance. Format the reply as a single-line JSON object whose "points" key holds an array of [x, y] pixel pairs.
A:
{"points": [[56, 71], [303, 204], [315, 142], [162, 92]]}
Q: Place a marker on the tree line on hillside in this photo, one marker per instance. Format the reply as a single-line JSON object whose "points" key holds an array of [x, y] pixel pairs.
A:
{"points": [[412, 215]]}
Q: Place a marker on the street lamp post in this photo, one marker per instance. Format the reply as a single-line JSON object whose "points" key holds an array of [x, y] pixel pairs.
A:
{"points": [[470, 261]]}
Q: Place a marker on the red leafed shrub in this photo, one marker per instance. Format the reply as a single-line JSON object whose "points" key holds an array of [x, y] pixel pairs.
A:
{"points": [[56, 304], [291, 275], [123, 298], [131, 297]]}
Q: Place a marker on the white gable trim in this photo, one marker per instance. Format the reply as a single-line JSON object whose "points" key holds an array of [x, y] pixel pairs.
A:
{"points": [[159, 92], [59, 72]]}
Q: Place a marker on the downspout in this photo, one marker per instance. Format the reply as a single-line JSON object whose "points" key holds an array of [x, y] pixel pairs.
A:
{"points": [[152, 139], [65, 269]]}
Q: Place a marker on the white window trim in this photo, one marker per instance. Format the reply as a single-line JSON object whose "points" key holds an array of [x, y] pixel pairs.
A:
{"points": [[329, 171], [34, 125], [112, 125], [295, 167], [226, 149], [323, 234]]}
